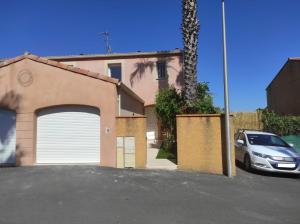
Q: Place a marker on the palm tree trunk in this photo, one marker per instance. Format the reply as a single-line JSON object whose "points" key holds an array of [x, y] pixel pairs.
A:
{"points": [[190, 29]]}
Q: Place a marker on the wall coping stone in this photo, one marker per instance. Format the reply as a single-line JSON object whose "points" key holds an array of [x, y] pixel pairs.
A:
{"points": [[137, 116], [202, 115]]}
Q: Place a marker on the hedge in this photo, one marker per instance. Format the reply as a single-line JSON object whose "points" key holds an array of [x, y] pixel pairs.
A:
{"points": [[280, 125]]}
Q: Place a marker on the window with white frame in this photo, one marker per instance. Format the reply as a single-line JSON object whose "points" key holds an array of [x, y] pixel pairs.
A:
{"points": [[161, 69], [115, 70]]}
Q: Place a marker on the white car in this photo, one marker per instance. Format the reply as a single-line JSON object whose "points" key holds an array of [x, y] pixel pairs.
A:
{"points": [[267, 152]]}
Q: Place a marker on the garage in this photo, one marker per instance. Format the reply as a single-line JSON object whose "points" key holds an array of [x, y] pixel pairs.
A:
{"points": [[57, 114], [7, 137], [68, 135]]}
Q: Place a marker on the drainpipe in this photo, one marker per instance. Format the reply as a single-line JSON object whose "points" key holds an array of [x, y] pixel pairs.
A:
{"points": [[119, 100]]}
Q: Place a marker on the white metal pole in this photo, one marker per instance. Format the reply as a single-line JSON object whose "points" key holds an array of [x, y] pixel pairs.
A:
{"points": [[226, 98]]}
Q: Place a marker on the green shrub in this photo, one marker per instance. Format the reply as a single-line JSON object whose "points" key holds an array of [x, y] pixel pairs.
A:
{"points": [[280, 125], [204, 101], [169, 143], [170, 102], [168, 148]]}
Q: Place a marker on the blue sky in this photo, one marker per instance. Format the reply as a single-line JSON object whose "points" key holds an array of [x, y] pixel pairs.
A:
{"points": [[261, 35]]}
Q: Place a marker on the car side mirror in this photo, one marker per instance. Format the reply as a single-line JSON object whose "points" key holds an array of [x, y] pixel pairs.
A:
{"points": [[291, 144], [240, 142]]}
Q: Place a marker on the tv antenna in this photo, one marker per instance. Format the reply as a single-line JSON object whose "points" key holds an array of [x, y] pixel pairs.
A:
{"points": [[106, 41]]}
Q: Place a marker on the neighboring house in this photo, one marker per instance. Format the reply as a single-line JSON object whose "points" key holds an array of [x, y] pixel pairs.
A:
{"points": [[58, 110], [283, 93], [145, 73], [54, 113]]}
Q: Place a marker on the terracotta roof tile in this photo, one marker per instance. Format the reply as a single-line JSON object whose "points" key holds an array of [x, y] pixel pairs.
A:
{"points": [[94, 74], [34, 57], [59, 65], [54, 63]]}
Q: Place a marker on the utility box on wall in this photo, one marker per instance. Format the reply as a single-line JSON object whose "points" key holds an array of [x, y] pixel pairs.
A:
{"points": [[125, 152], [134, 128]]}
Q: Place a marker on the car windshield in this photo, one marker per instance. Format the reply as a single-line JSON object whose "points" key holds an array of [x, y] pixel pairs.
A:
{"points": [[271, 140]]}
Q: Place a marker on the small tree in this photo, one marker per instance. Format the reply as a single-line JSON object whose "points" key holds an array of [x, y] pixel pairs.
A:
{"points": [[204, 101], [168, 103]]}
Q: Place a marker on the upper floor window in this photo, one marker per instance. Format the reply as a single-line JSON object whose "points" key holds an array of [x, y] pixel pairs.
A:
{"points": [[115, 70], [161, 69]]}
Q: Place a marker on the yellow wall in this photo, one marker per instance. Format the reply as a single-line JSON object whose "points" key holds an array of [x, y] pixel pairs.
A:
{"points": [[201, 143], [135, 127]]}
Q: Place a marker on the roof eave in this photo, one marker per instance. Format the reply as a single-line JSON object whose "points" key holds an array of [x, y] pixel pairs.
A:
{"points": [[116, 55]]}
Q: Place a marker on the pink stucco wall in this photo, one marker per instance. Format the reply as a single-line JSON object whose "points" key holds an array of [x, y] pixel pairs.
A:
{"points": [[50, 86], [139, 73]]}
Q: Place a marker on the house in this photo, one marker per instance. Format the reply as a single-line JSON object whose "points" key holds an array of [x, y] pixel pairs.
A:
{"points": [[54, 113], [63, 110], [145, 73], [284, 90]]}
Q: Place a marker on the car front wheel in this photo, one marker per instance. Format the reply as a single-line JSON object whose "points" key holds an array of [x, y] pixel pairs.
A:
{"points": [[247, 162]]}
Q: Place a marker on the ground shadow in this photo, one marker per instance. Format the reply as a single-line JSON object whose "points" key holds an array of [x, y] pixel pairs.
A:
{"points": [[241, 166], [169, 154]]}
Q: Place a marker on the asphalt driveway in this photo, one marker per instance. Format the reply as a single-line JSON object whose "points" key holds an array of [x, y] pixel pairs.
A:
{"points": [[76, 194]]}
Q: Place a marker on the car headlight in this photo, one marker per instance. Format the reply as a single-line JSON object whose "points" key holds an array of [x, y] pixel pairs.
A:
{"points": [[278, 158], [261, 155]]}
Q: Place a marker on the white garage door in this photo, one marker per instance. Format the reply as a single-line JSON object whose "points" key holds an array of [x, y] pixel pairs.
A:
{"points": [[68, 135], [7, 137]]}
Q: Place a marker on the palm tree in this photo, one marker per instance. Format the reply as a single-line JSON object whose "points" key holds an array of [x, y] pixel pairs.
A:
{"points": [[190, 29]]}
